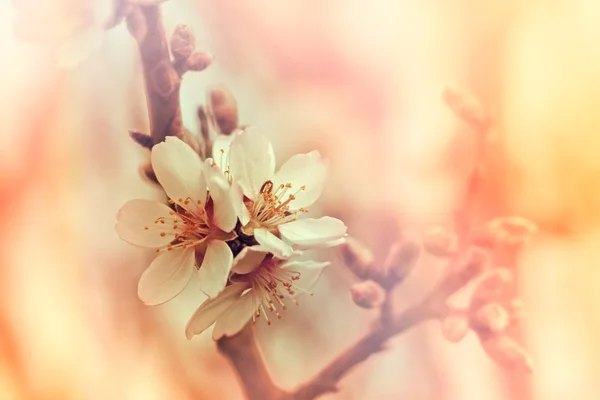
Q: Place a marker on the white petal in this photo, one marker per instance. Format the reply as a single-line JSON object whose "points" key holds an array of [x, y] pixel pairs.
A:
{"points": [[214, 272], [310, 272], [237, 198], [273, 244], [79, 46], [312, 232], [252, 161], [211, 309], [178, 169], [167, 276], [303, 170], [322, 245], [224, 214], [248, 259], [236, 317], [220, 149], [136, 215]]}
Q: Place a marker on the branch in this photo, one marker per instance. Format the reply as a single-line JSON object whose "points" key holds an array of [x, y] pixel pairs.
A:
{"points": [[161, 80], [373, 342], [243, 353]]}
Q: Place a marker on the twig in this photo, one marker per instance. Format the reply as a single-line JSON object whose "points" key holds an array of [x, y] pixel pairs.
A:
{"points": [[247, 361], [242, 352], [162, 81]]}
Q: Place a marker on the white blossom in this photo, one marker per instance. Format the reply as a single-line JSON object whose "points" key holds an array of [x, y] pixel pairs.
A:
{"points": [[195, 228], [263, 287], [270, 205]]}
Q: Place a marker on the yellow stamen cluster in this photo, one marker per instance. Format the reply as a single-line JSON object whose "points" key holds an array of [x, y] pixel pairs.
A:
{"points": [[272, 207], [271, 285], [188, 227]]}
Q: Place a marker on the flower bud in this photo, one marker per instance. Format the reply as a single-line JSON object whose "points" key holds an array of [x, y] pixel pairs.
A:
{"points": [[439, 242], [367, 294], [455, 326], [400, 261], [491, 317], [496, 285], [183, 43], [358, 258], [465, 106], [507, 353], [511, 230], [223, 108], [198, 61], [473, 265]]}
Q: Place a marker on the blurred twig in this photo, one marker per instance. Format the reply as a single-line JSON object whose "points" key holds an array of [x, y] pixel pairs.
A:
{"points": [[162, 81]]}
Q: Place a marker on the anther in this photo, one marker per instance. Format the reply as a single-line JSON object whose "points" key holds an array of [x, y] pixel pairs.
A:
{"points": [[146, 228], [163, 234], [303, 187]]}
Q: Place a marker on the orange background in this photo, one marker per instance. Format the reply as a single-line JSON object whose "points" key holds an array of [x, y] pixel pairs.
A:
{"points": [[361, 82]]}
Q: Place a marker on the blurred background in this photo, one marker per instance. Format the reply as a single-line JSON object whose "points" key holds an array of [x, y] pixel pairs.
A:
{"points": [[361, 82]]}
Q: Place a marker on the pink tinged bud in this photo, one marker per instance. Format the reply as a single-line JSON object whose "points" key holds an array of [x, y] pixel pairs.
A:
{"points": [[223, 108], [491, 317], [358, 258], [508, 353], [496, 285], [367, 294], [440, 242], [511, 230], [198, 61], [473, 265], [465, 106], [400, 261], [183, 43], [455, 326]]}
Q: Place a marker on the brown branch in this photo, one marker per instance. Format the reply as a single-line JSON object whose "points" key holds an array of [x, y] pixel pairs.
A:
{"points": [[161, 80], [243, 353]]}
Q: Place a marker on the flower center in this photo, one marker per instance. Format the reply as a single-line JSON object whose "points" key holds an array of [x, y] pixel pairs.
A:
{"points": [[272, 287], [188, 227], [272, 207]]}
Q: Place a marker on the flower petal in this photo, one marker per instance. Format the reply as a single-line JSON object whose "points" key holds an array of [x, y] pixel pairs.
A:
{"points": [[166, 276], [313, 232], [237, 198], [214, 272], [179, 171], [236, 317], [322, 245], [136, 215], [303, 170], [252, 161], [220, 149], [211, 309], [273, 244], [224, 214], [310, 272], [248, 259]]}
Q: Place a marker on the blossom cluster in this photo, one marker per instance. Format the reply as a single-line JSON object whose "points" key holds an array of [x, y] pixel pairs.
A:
{"points": [[236, 224]]}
